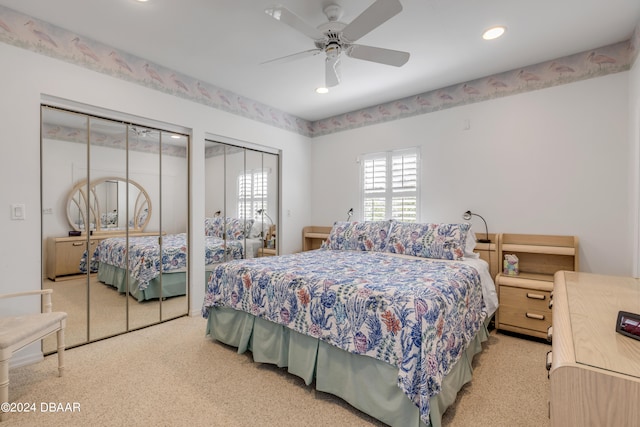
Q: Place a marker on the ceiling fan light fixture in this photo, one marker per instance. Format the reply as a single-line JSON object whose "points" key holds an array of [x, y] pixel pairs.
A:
{"points": [[322, 90], [494, 32], [334, 37]]}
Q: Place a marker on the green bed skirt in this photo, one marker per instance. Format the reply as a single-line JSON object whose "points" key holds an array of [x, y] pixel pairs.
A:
{"points": [[173, 284], [368, 384]]}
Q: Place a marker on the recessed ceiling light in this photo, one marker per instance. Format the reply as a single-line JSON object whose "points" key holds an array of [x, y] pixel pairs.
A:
{"points": [[322, 90], [493, 32], [172, 136]]}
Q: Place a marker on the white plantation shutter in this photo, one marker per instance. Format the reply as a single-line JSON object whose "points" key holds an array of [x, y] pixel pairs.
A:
{"points": [[390, 186], [252, 193]]}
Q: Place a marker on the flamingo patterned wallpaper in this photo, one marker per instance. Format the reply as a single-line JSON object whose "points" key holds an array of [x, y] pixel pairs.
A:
{"points": [[120, 142], [29, 33]]}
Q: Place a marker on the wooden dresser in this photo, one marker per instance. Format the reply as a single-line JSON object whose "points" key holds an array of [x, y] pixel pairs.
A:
{"points": [[594, 371]]}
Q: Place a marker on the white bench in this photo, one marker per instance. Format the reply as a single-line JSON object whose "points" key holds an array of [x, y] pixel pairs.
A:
{"points": [[19, 331]]}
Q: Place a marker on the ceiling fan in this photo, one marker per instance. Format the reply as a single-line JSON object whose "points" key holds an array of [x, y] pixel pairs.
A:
{"points": [[335, 37]]}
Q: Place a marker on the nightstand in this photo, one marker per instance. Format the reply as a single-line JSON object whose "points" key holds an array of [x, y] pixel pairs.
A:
{"points": [[266, 252], [524, 298], [313, 236]]}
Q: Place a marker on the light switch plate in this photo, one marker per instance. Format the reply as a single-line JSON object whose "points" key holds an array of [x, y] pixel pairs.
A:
{"points": [[17, 211]]}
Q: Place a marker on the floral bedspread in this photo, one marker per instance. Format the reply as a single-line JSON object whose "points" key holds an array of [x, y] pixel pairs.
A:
{"points": [[144, 254], [416, 314]]}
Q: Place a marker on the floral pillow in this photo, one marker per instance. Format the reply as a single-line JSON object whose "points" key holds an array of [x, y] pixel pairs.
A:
{"points": [[358, 236], [213, 227], [236, 229], [439, 241]]}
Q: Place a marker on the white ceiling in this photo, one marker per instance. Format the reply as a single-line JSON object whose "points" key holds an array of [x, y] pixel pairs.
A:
{"points": [[223, 42]]}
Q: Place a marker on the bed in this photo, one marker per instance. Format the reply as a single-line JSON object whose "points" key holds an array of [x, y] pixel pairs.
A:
{"points": [[109, 261], [386, 315]]}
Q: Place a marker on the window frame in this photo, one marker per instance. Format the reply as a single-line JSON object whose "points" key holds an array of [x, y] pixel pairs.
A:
{"points": [[255, 202], [389, 194]]}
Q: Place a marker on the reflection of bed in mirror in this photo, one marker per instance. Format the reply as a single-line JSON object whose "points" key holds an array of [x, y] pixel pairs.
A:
{"points": [[145, 264], [152, 276], [250, 233]]}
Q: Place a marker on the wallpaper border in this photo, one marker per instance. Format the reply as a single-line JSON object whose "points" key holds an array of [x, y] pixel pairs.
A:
{"points": [[41, 37]]}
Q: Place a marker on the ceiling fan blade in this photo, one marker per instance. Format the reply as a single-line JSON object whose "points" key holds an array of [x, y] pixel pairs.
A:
{"points": [[291, 19], [332, 71], [378, 13], [293, 57], [396, 58]]}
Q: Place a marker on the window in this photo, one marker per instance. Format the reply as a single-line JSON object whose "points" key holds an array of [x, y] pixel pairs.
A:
{"points": [[252, 193], [390, 185]]}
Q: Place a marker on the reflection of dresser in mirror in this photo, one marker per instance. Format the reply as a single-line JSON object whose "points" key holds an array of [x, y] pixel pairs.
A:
{"points": [[96, 205]]}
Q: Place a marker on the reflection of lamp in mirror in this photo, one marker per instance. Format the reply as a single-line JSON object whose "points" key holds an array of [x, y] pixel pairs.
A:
{"points": [[264, 212], [270, 240], [467, 216], [217, 213], [349, 214]]}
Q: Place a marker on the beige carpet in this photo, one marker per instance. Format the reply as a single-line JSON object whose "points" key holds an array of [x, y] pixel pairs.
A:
{"points": [[172, 375], [106, 310]]}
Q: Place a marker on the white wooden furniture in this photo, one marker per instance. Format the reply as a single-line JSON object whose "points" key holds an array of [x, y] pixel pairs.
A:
{"points": [[313, 236], [594, 371], [524, 299], [19, 331]]}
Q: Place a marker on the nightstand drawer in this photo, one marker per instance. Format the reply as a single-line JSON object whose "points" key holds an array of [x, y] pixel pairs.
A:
{"points": [[527, 319], [525, 299]]}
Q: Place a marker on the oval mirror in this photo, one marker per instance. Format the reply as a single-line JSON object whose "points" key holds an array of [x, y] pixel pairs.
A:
{"points": [[102, 206]]}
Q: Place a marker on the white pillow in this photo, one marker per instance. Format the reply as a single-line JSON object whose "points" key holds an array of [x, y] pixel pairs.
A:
{"points": [[470, 245], [257, 229]]}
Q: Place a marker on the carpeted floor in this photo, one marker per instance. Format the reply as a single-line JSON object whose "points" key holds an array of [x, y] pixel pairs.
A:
{"points": [[171, 374], [107, 313]]}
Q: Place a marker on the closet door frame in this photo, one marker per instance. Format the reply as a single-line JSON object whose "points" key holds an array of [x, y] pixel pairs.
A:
{"points": [[91, 112]]}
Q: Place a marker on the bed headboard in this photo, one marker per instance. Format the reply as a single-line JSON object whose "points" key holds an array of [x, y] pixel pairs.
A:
{"points": [[489, 252]]}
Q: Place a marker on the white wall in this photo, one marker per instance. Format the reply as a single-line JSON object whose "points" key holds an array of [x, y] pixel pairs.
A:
{"points": [[65, 164], [634, 164], [552, 161], [30, 76]]}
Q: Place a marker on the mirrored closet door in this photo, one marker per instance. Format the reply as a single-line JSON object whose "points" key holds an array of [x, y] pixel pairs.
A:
{"points": [[114, 223], [242, 200]]}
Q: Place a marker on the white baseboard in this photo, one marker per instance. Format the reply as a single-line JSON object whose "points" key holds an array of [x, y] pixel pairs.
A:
{"points": [[25, 357]]}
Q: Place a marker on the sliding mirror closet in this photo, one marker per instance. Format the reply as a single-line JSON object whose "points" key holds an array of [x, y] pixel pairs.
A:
{"points": [[114, 223], [241, 200]]}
